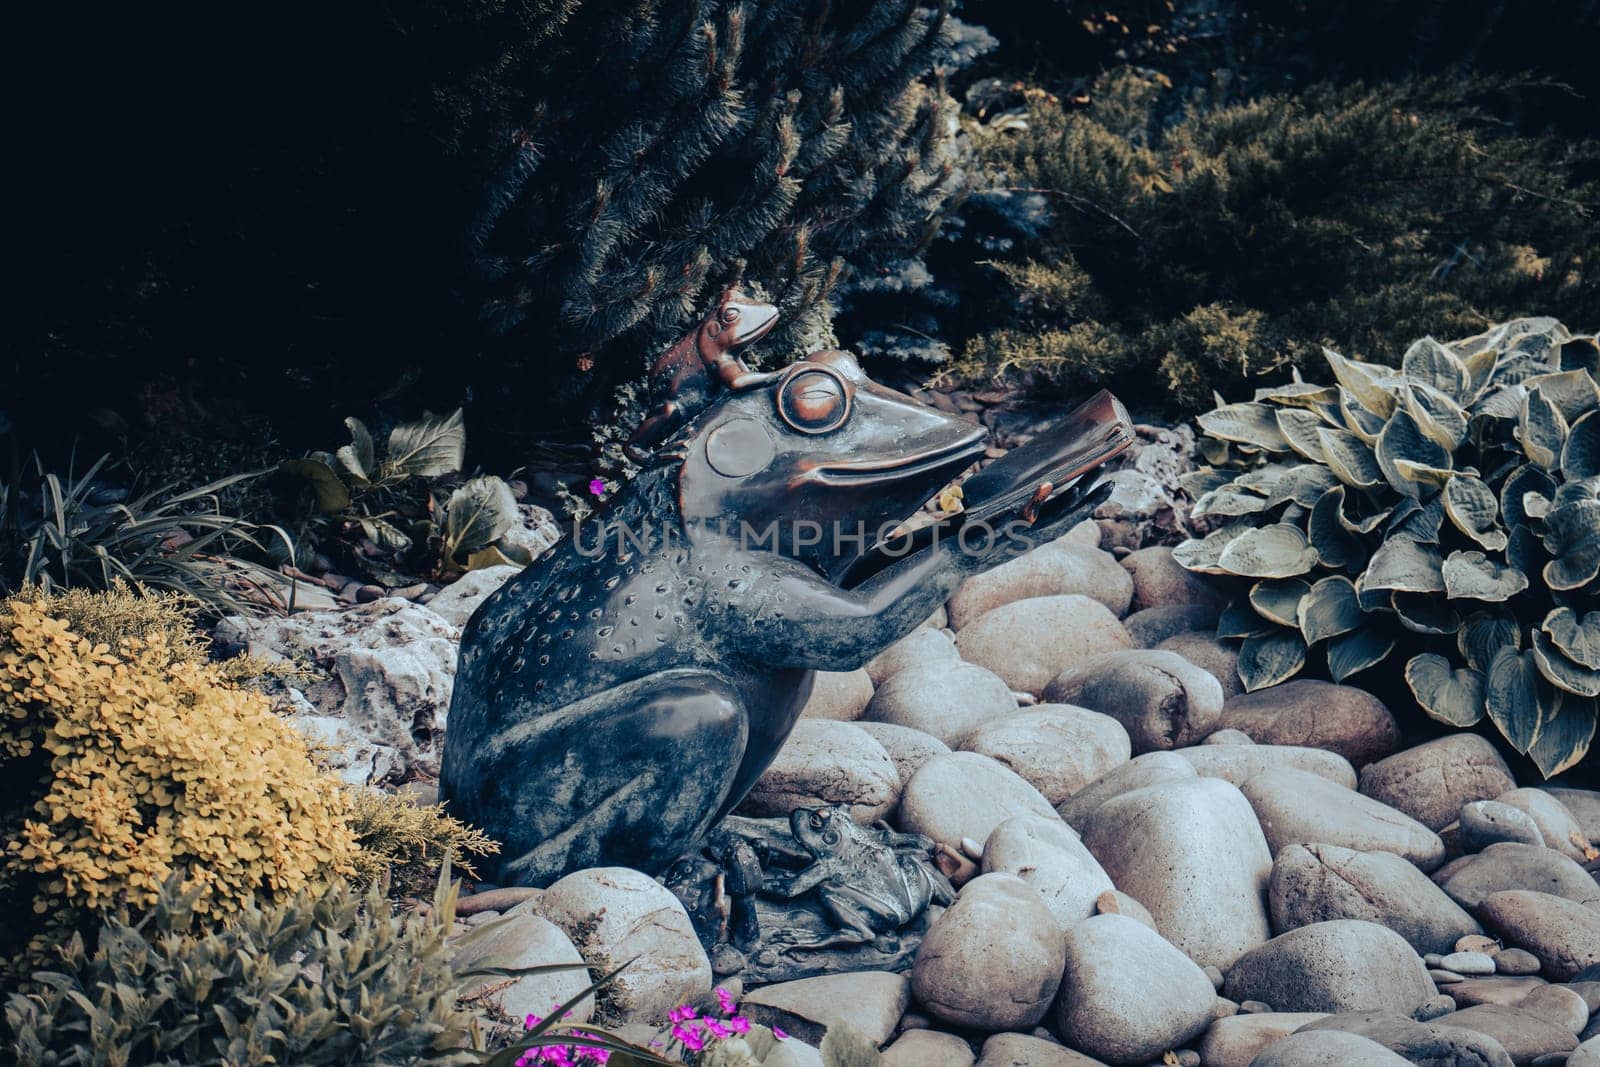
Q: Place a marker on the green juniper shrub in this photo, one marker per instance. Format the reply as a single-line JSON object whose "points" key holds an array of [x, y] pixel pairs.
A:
{"points": [[1441, 515], [1221, 248]]}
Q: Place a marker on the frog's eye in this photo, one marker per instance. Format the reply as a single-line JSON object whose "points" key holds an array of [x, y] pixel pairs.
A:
{"points": [[730, 315], [817, 821], [814, 398], [831, 837]]}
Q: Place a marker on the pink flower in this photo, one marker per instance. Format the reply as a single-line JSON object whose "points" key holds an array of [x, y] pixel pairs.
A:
{"points": [[739, 1024], [716, 1029], [682, 1014], [725, 1000], [597, 487], [691, 1040], [778, 1033]]}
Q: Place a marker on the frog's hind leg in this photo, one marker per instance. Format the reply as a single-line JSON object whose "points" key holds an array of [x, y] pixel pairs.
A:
{"points": [[631, 776], [847, 909]]}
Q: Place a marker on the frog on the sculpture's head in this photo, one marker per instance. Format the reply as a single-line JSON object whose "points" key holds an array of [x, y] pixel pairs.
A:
{"points": [[625, 691]]}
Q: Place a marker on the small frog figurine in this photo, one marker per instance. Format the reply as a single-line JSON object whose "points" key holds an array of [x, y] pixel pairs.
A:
{"points": [[869, 882], [682, 381]]}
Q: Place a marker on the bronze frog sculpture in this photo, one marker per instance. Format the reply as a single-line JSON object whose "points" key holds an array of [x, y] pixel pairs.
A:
{"points": [[622, 694]]}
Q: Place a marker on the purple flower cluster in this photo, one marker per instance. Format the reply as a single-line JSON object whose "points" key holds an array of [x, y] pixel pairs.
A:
{"points": [[575, 1055], [690, 1029]]}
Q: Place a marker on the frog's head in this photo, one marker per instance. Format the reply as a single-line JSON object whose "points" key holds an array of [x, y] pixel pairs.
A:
{"points": [[736, 321], [811, 457], [821, 831]]}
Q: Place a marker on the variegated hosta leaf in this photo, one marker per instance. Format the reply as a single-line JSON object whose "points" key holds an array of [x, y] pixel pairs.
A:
{"points": [[1354, 652], [1436, 415], [1418, 522], [1261, 479], [1560, 671], [1565, 737], [1578, 639], [1402, 564], [1573, 392], [1239, 619], [1279, 599], [1336, 546], [1483, 634], [1517, 698], [1247, 423], [1358, 420], [1276, 551], [1299, 394], [1450, 695], [1429, 361], [1501, 402], [1197, 483], [1425, 613], [1581, 353], [1228, 502], [1541, 429], [1480, 365], [1202, 555], [1360, 380], [1572, 536], [1522, 481], [1474, 576], [1424, 477], [1303, 485], [1525, 551], [1217, 453], [1270, 659], [1580, 456], [1350, 460], [1403, 440], [1472, 508], [1299, 427], [1329, 608]]}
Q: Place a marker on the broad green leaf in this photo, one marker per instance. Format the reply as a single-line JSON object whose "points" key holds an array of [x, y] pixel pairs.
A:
{"points": [[1472, 508], [1246, 423], [497, 555], [1260, 480], [1573, 392], [1572, 536], [1483, 634], [1351, 460], [1279, 599], [1480, 365], [1202, 555], [1304, 485], [1514, 697], [1299, 427], [1541, 430], [386, 535], [1429, 361], [1354, 652], [1217, 453], [430, 446], [1525, 479], [1299, 395], [358, 456], [1580, 456], [1418, 522], [1437, 416], [1562, 672], [1581, 353], [1270, 659], [1426, 478], [1329, 608], [1228, 502], [1425, 613], [1239, 619], [1472, 575], [479, 513], [1564, 738], [1335, 544], [1276, 551], [1360, 380], [1197, 483], [1403, 564], [1451, 695], [1525, 551], [1358, 420], [327, 488], [1578, 639], [1403, 440]]}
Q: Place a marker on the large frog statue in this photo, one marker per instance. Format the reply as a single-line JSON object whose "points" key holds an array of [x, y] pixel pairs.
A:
{"points": [[625, 691]]}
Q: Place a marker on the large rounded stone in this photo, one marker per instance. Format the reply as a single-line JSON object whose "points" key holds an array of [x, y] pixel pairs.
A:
{"points": [[993, 960], [1150, 627], [1192, 853], [920, 648], [947, 700], [1524, 1035], [869, 1002], [965, 795], [927, 1048], [1418, 1042], [1489, 822], [1296, 808], [1513, 866], [1056, 747], [1216, 657], [1152, 768], [1162, 699], [1564, 935], [1029, 642], [525, 940], [823, 764], [1048, 855], [838, 695], [1023, 1050], [1057, 568], [615, 915], [1339, 718], [1326, 1048], [1431, 781], [1584, 805], [1240, 763], [1558, 826], [1344, 965], [1235, 1040], [1317, 883], [1127, 995], [1159, 581], [908, 748]]}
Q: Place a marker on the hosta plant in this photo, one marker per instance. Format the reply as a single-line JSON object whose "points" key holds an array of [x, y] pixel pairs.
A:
{"points": [[1442, 515]]}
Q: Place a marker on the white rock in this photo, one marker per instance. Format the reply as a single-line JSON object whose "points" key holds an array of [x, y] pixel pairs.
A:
{"points": [[613, 915], [1239, 763], [946, 700], [1299, 808], [920, 648], [870, 1002], [1559, 827], [927, 1048], [1339, 966], [1025, 1050], [1235, 1040], [826, 763], [1058, 748], [838, 695], [456, 602], [965, 795], [1160, 581], [1047, 854], [525, 940], [909, 748], [1152, 768], [1029, 642], [1162, 699], [1053, 569], [1326, 1048]]}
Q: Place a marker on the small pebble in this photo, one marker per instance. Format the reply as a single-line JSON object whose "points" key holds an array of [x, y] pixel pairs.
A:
{"points": [[1254, 1007], [1225, 1008], [1228, 737], [1550, 1059], [1045, 1035], [1477, 943], [1556, 1004], [1433, 959], [972, 849], [1516, 961], [915, 1020], [478, 918], [1188, 1057], [1216, 977], [1472, 964], [1435, 1006], [1444, 977]]}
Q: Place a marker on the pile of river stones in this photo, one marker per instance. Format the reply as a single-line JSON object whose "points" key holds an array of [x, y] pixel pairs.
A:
{"points": [[1157, 868]]}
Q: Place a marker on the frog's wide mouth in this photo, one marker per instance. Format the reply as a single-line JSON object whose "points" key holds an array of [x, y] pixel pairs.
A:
{"points": [[955, 455]]}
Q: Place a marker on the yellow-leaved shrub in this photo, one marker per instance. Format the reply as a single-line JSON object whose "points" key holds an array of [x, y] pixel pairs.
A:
{"points": [[121, 767]]}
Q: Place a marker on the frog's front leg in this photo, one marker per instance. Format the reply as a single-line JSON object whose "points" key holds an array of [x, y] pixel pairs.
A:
{"points": [[789, 886], [851, 911]]}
